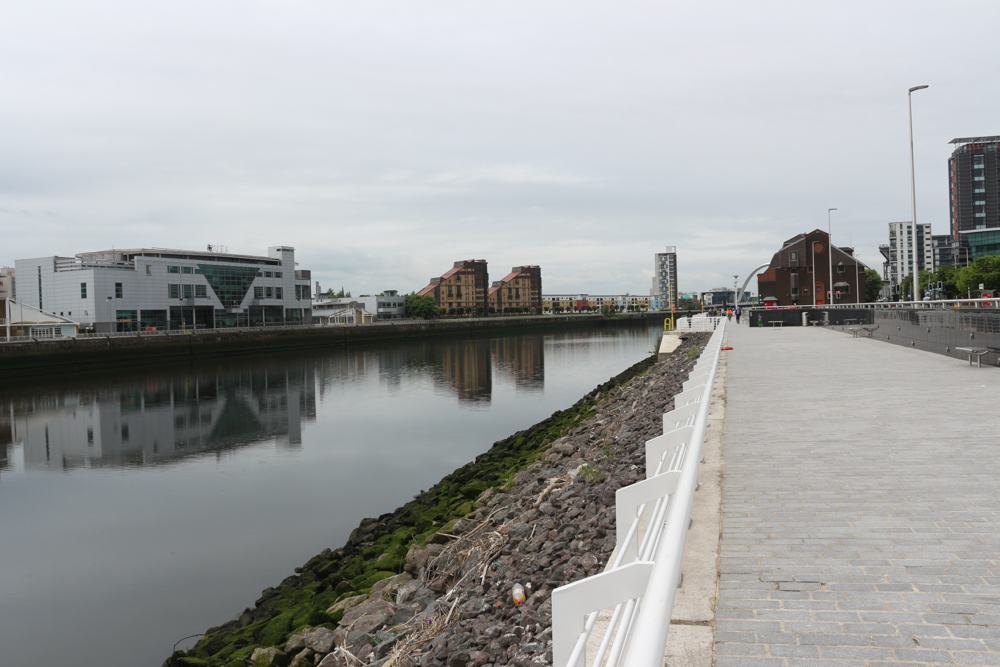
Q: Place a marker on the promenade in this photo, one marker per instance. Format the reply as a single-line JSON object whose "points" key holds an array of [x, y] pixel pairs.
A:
{"points": [[860, 505]]}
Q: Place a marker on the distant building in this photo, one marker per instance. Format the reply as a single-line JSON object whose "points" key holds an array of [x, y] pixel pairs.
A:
{"points": [[898, 253], [388, 305], [521, 288], [153, 289], [596, 302], [799, 273], [945, 252], [464, 285], [974, 193], [7, 285], [665, 278]]}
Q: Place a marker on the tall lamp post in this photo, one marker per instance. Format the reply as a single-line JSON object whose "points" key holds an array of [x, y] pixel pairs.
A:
{"points": [[829, 242], [913, 197]]}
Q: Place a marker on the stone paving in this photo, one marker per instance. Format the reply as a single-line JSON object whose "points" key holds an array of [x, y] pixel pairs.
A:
{"points": [[861, 505]]}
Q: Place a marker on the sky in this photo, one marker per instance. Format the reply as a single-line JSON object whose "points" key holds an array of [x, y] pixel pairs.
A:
{"points": [[386, 140]]}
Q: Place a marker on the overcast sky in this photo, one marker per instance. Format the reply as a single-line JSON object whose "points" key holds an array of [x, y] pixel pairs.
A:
{"points": [[385, 140]]}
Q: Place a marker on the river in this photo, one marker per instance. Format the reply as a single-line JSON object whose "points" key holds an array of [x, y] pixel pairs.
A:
{"points": [[142, 506]]}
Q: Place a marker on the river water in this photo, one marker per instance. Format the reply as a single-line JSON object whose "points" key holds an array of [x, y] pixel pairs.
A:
{"points": [[143, 506]]}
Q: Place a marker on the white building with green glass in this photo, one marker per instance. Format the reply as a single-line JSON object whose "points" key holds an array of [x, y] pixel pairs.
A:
{"points": [[157, 289]]}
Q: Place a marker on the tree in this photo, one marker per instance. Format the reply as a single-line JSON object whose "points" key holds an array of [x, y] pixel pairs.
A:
{"points": [[873, 285], [421, 307], [984, 271]]}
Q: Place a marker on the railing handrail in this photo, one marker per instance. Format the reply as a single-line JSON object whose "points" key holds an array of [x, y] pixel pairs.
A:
{"points": [[643, 589]]}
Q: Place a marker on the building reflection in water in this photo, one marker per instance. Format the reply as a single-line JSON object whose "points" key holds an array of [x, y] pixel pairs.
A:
{"points": [[154, 419], [159, 419]]}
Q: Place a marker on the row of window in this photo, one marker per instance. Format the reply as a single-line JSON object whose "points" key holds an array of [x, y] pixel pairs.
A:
{"points": [[189, 291], [268, 293]]}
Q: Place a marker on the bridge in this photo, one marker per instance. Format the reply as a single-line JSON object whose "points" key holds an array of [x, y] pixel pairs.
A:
{"points": [[848, 512]]}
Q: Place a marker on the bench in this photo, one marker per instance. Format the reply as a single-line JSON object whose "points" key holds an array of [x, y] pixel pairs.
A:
{"points": [[870, 328], [780, 323], [854, 330], [978, 351]]}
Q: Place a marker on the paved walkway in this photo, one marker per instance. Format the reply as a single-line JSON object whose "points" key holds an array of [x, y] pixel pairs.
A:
{"points": [[861, 505]]}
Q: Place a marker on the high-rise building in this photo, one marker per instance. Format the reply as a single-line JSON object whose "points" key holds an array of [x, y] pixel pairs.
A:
{"points": [[665, 278], [974, 190], [898, 253], [7, 289]]}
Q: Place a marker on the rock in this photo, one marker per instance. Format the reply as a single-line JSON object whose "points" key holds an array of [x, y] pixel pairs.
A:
{"points": [[378, 607], [418, 556], [347, 603], [408, 591], [304, 659], [318, 640], [520, 530], [268, 657], [335, 659], [368, 624], [388, 588], [459, 659], [295, 644]]}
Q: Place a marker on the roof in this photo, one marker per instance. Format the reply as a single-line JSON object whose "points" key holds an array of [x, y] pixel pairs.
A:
{"points": [[976, 140], [427, 290]]}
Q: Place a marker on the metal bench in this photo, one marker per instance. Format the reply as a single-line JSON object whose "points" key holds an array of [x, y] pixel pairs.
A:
{"points": [[870, 329], [854, 330], [978, 351], [779, 323]]}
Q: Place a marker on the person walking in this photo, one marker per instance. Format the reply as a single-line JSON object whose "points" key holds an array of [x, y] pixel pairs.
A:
{"points": [[729, 314], [738, 313]]}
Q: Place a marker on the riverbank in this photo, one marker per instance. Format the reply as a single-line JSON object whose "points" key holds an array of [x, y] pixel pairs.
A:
{"points": [[536, 508], [19, 359]]}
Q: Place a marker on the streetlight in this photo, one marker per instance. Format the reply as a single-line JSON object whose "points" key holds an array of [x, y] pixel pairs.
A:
{"points": [[913, 197], [829, 230]]}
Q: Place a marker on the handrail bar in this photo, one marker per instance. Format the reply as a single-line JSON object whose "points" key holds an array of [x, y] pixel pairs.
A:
{"points": [[636, 569]]}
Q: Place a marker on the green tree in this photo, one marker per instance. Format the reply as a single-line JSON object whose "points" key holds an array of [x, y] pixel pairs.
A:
{"points": [[421, 307], [984, 271], [873, 285]]}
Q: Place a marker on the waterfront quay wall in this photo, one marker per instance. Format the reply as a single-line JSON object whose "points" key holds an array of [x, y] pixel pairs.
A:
{"points": [[37, 357]]}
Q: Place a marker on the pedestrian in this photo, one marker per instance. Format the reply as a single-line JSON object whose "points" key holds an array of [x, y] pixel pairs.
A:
{"points": [[729, 314], [738, 313]]}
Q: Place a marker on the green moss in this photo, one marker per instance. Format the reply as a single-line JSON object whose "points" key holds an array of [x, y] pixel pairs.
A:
{"points": [[276, 631]]}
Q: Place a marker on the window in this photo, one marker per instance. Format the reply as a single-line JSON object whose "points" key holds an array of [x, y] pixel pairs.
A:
{"points": [[200, 291], [794, 256], [277, 274], [173, 269], [118, 290], [267, 274], [269, 292], [258, 292], [149, 270], [188, 291], [187, 269], [277, 293], [83, 290], [841, 268], [174, 291]]}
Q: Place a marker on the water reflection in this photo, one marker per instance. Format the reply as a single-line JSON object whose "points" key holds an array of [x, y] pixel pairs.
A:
{"points": [[152, 421], [160, 417]]}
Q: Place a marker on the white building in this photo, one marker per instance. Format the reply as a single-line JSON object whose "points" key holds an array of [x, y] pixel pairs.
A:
{"points": [[18, 320], [7, 287], [152, 289], [899, 252], [360, 310], [665, 278]]}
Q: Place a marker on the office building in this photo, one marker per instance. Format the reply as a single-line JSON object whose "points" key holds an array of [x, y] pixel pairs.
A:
{"points": [[463, 286], [154, 289], [974, 193], [800, 273], [899, 256], [665, 278], [388, 305], [520, 289]]}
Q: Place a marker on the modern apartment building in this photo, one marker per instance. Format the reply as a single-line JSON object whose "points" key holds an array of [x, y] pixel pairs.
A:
{"points": [[899, 255], [665, 278], [521, 288], [152, 289], [974, 192], [464, 285]]}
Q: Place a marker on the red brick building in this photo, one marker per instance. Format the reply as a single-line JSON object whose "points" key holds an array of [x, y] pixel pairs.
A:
{"points": [[521, 288], [463, 286], [799, 273]]}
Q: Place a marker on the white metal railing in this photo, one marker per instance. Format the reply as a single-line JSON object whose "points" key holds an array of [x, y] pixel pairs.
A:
{"points": [[641, 582], [894, 305]]}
